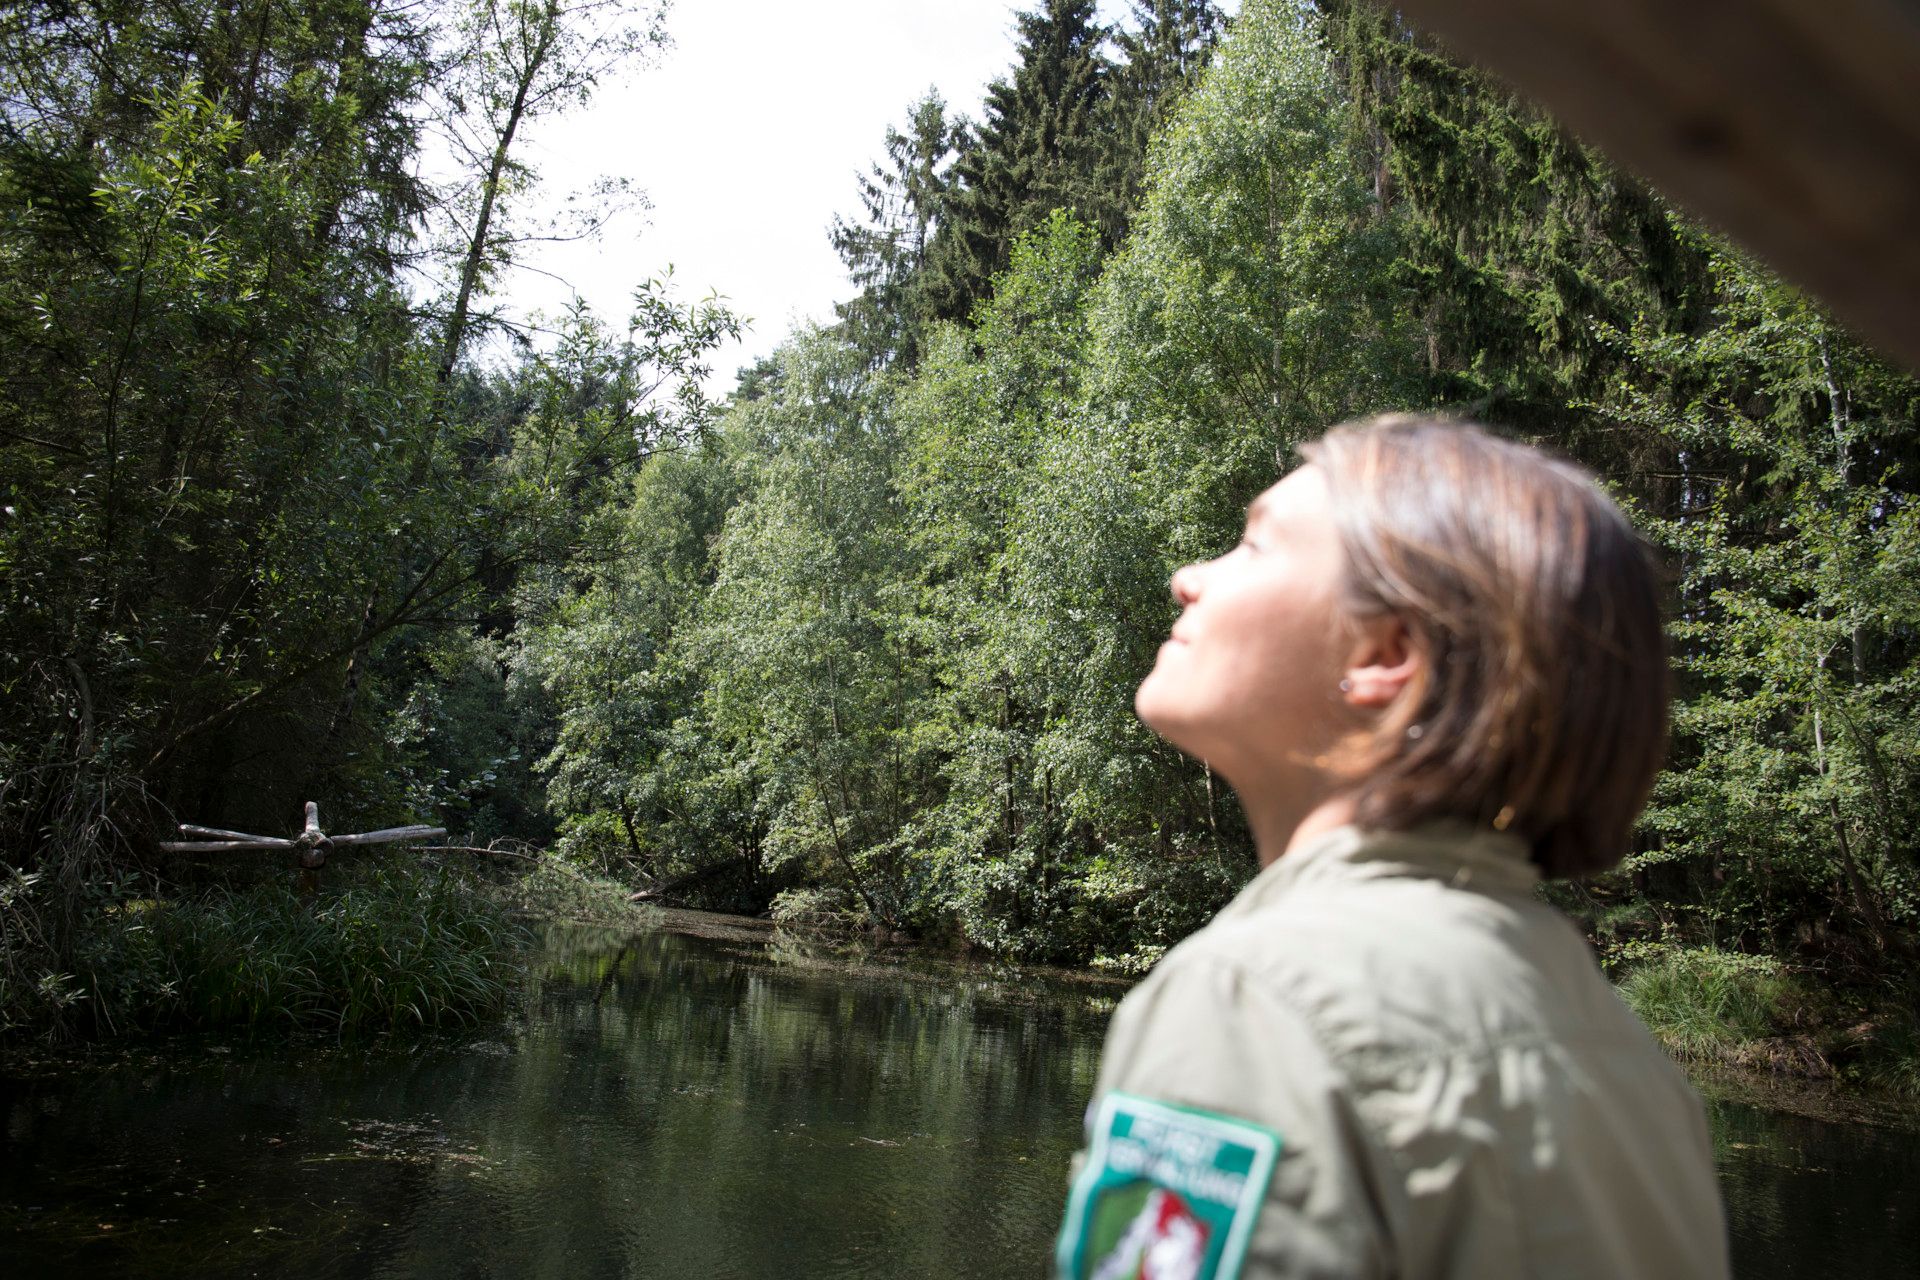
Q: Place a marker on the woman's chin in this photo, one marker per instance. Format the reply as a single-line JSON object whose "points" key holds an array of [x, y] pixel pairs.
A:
{"points": [[1149, 701], [1162, 710]]}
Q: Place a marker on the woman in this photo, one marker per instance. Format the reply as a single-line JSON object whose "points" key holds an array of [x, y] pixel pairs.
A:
{"points": [[1434, 672]]}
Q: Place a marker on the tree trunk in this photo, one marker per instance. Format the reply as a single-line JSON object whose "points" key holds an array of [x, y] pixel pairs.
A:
{"points": [[456, 330], [1863, 898]]}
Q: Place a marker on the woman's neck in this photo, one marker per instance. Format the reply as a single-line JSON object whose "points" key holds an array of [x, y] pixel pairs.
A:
{"points": [[1281, 828]]}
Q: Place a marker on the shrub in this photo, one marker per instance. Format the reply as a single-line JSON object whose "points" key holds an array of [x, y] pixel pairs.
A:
{"points": [[398, 947], [1704, 1003], [818, 908], [546, 887]]}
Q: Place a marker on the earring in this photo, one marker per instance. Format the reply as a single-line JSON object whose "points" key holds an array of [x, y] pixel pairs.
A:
{"points": [[1346, 686]]}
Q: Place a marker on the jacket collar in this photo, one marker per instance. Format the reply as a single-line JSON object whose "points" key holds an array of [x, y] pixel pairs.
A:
{"points": [[1464, 856]]}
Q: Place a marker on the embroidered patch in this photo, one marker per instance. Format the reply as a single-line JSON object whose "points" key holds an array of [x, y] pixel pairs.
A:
{"points": [[1166, 1193]]}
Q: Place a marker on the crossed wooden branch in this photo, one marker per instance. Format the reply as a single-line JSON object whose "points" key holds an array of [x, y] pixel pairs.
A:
{"points": [[312, 843]]}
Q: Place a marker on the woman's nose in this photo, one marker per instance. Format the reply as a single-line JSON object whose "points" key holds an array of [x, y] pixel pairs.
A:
{"points": [[1185, 584]]}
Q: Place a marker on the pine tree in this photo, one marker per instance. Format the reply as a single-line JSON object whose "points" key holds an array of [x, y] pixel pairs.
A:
{"points": [[1522, 246], [903, 196], [1038, 149], [1163, 52]]}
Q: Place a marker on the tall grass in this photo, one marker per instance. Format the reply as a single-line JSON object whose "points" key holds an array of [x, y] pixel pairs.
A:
{"points": [[1749, 1012], [1706, 1004], [1885, 1045], [400, 947], [398, 944]]}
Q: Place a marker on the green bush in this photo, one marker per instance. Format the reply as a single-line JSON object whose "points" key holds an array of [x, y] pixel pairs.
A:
{"points": [[395, 948], [546, 887], [1704, 1003], [818, 909]]}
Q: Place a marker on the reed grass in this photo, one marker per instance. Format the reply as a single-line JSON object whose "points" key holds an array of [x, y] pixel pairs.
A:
{"points": [[1702, 1003], [388, 946], [398, 948]]}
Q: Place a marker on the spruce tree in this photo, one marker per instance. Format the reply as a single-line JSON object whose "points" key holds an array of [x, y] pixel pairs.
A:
{"points": [[1523, 248], [1163, 51], [903, 196], [1038, 149]]}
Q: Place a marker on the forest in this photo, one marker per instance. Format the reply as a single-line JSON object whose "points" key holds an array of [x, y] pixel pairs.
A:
{"points": [[292, 507]]}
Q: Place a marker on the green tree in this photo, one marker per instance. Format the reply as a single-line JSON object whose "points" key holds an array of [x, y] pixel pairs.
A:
{"points": [[232, 471], [975, 422], [212, 371], [903, 197], [1036, 150], [799, 674], [632, 761], [517, 63], [1519, 245], [1786, 820], [1252, 306], [1162, 53], [1092, 432]]}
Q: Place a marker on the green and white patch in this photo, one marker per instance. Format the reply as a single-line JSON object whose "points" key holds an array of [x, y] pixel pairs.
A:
{"points": [[1167, 1193]]}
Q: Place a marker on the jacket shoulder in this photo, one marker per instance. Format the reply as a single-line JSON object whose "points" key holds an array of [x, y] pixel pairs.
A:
{"points": [[1399, 968]]}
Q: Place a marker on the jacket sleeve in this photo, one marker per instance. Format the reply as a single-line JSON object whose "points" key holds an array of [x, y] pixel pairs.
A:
{"points": [[1200, 1034]]}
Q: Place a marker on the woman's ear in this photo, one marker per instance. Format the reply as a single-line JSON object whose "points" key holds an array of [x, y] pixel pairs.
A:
{"points": [[1383, 661]]}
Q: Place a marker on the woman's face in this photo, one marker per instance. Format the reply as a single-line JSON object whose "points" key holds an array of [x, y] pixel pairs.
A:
{"points": [[1249, 681]]}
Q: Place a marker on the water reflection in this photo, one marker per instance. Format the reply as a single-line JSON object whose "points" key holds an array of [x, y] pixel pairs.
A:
{"points": [[735, 1105], [1809, 1198], [673, 1107]]}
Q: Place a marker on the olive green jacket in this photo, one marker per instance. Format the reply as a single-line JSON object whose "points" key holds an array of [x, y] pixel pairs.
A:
{"points": [[1455, 1088]]}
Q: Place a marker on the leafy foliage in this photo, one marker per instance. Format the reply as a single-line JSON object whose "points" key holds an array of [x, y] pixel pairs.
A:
{"points": [[257, 541], [941, 578], [1791, 803], [860, 644]]}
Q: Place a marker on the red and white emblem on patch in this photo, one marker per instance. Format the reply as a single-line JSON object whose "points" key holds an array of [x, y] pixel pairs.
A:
{"points": [[1165, 1241]]}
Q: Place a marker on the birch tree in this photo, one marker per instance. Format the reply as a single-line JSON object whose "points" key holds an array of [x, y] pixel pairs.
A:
{"points": [[521, 62]]}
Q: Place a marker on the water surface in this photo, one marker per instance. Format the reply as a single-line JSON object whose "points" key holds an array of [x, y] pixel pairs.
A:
{"points": [[739, 1104]]}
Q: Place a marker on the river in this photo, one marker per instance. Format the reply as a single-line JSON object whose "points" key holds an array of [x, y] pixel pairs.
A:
{"points": [[725, 1102]]}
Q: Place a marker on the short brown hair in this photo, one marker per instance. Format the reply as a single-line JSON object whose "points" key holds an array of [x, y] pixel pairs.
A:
{"points": [[1542, 704]]}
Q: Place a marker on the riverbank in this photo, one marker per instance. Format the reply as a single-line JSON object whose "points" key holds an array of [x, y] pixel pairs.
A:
{"points": [[1746, 1029], [439, 942], [432, 941], [711, 1095], [1754, 1015]]}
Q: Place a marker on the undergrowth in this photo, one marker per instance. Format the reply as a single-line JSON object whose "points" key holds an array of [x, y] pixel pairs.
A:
{"points": [[546, 887], [1701, 1002], [397, 947], [404, 943], [1752, 1012]]}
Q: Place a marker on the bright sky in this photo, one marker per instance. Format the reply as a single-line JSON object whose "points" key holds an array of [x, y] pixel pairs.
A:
{"points": [[746, 139]]}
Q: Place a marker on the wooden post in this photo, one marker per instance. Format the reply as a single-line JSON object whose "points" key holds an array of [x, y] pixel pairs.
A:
{"points": [[314, 845]]}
